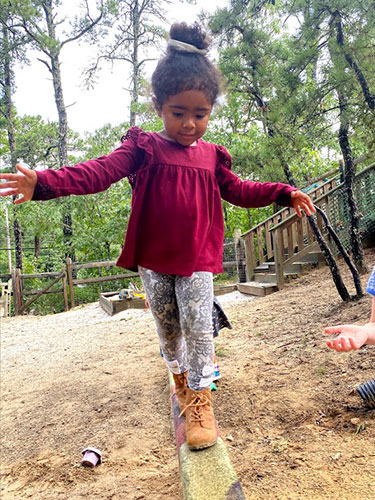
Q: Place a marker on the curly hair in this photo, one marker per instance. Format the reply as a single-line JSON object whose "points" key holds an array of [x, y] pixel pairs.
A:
{"points": [[180, 71]]}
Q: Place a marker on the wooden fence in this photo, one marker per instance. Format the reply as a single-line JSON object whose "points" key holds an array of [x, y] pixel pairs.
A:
{"points": [[23, 298], [65, 276]]}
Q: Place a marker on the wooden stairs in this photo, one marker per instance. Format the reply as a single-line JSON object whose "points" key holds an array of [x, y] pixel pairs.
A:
{"points": [[265, 280], [283, 247]]}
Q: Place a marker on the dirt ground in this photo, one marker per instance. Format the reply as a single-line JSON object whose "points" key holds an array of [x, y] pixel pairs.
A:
{"points": [[294, 426]]}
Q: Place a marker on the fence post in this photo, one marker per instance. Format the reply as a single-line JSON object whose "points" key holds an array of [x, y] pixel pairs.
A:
{"points": [[70, 280], [65, 292], [278, 245], [239, 256], [250, 255], [17, 291]]}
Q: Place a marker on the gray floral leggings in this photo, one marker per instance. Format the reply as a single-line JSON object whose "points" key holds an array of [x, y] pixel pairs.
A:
{"points": [[182, 309]]}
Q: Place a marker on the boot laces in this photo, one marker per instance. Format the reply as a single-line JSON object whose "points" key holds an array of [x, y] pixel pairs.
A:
{"points": [[196, 404]]}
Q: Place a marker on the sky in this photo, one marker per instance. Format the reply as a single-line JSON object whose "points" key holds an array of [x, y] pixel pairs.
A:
{"points": [[87, 109]]}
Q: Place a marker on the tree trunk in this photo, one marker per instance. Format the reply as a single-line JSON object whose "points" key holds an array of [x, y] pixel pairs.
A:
{"points": [[326, 251], [135, 65], [369, 98], [341, 288], [355, 239], [344, 253], [36, 247], [343, 137], [11, 137], [63, 122]]}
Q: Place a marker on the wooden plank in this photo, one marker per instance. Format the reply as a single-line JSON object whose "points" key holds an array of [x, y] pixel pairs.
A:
{"points": [[101, 279], [70, 280], [107, 305], [290, 240], [229, 264], [260, 244], [278, 244], [41, 292], [35, 292], [300, 241], [93, 265], [40, 275], [223, 289], [310, 235], [250, 255], [112, 304], [269, 248], [65, 293], [17, 293]]}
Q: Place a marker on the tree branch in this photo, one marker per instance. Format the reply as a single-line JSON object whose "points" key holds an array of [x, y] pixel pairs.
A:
{"points": [[370, 99], [46, 63], [83, 31]]}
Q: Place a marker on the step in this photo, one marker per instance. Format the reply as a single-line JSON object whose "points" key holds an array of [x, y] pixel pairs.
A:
{"points": [[302, 267], [256, 288], [265, 267], [316, 257], [222, 289], [299, 267], [271, 277]]}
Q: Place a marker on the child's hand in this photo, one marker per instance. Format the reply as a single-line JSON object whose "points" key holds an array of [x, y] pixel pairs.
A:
{"points": [[21, 183], [351, 336], [300, 201]]}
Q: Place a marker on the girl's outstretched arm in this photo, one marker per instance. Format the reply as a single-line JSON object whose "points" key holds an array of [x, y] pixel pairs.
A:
{"points": [[22, 183], [351, 336]]}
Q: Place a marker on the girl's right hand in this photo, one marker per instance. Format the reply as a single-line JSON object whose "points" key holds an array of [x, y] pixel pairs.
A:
{"points": [[23, 183]]}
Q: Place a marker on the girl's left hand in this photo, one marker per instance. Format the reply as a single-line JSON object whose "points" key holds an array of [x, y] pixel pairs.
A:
{"points": [[302, 201]]}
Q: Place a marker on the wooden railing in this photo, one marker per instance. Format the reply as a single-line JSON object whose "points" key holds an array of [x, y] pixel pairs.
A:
{"points": [[258, 240], [285, 238]]}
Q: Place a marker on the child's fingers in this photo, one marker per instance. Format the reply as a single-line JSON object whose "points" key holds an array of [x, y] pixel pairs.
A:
{"points": [[19, 200], [352, 343], [339, 345], [9, 177], [345, 344], [9, 192], [8, 184], [298, 210], [334, 329], [306, 208]]}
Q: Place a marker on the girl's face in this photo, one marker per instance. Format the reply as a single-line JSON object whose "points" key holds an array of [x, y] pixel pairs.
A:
{"points": [[185, 117]]}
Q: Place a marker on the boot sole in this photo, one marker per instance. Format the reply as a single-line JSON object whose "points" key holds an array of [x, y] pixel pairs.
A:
{"points": [[201, 446]]}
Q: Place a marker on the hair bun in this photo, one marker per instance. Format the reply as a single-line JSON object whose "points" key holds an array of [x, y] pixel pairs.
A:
{"points": [[192, 35]]}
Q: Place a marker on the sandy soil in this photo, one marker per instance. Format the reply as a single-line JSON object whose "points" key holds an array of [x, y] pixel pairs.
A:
{"points": [[294, 425]]}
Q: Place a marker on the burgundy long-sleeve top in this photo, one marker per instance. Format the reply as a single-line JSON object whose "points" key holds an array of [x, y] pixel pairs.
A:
{"points": [[176, 222]]}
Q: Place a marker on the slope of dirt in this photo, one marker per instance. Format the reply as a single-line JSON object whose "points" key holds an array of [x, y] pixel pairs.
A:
{"points": [[294, 425]]}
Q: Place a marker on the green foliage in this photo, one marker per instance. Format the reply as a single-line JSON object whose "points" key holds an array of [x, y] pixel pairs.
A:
{"points": [[282, 65]]}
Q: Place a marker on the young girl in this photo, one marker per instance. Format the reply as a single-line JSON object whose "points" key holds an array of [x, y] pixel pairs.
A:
{"points": [[175, 232]]}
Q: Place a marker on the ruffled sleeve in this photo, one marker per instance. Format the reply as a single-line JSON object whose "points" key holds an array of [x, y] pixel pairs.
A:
{"points": [[94, 176], [224, 159], [141, 141], [248, 194]]}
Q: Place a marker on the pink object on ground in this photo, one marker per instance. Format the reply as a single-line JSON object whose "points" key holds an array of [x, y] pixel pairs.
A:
{"points": [[91, 457]]}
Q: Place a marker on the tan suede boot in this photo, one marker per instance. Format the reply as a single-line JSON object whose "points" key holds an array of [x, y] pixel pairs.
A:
{"points": [[200, 420], [180, 381]]}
